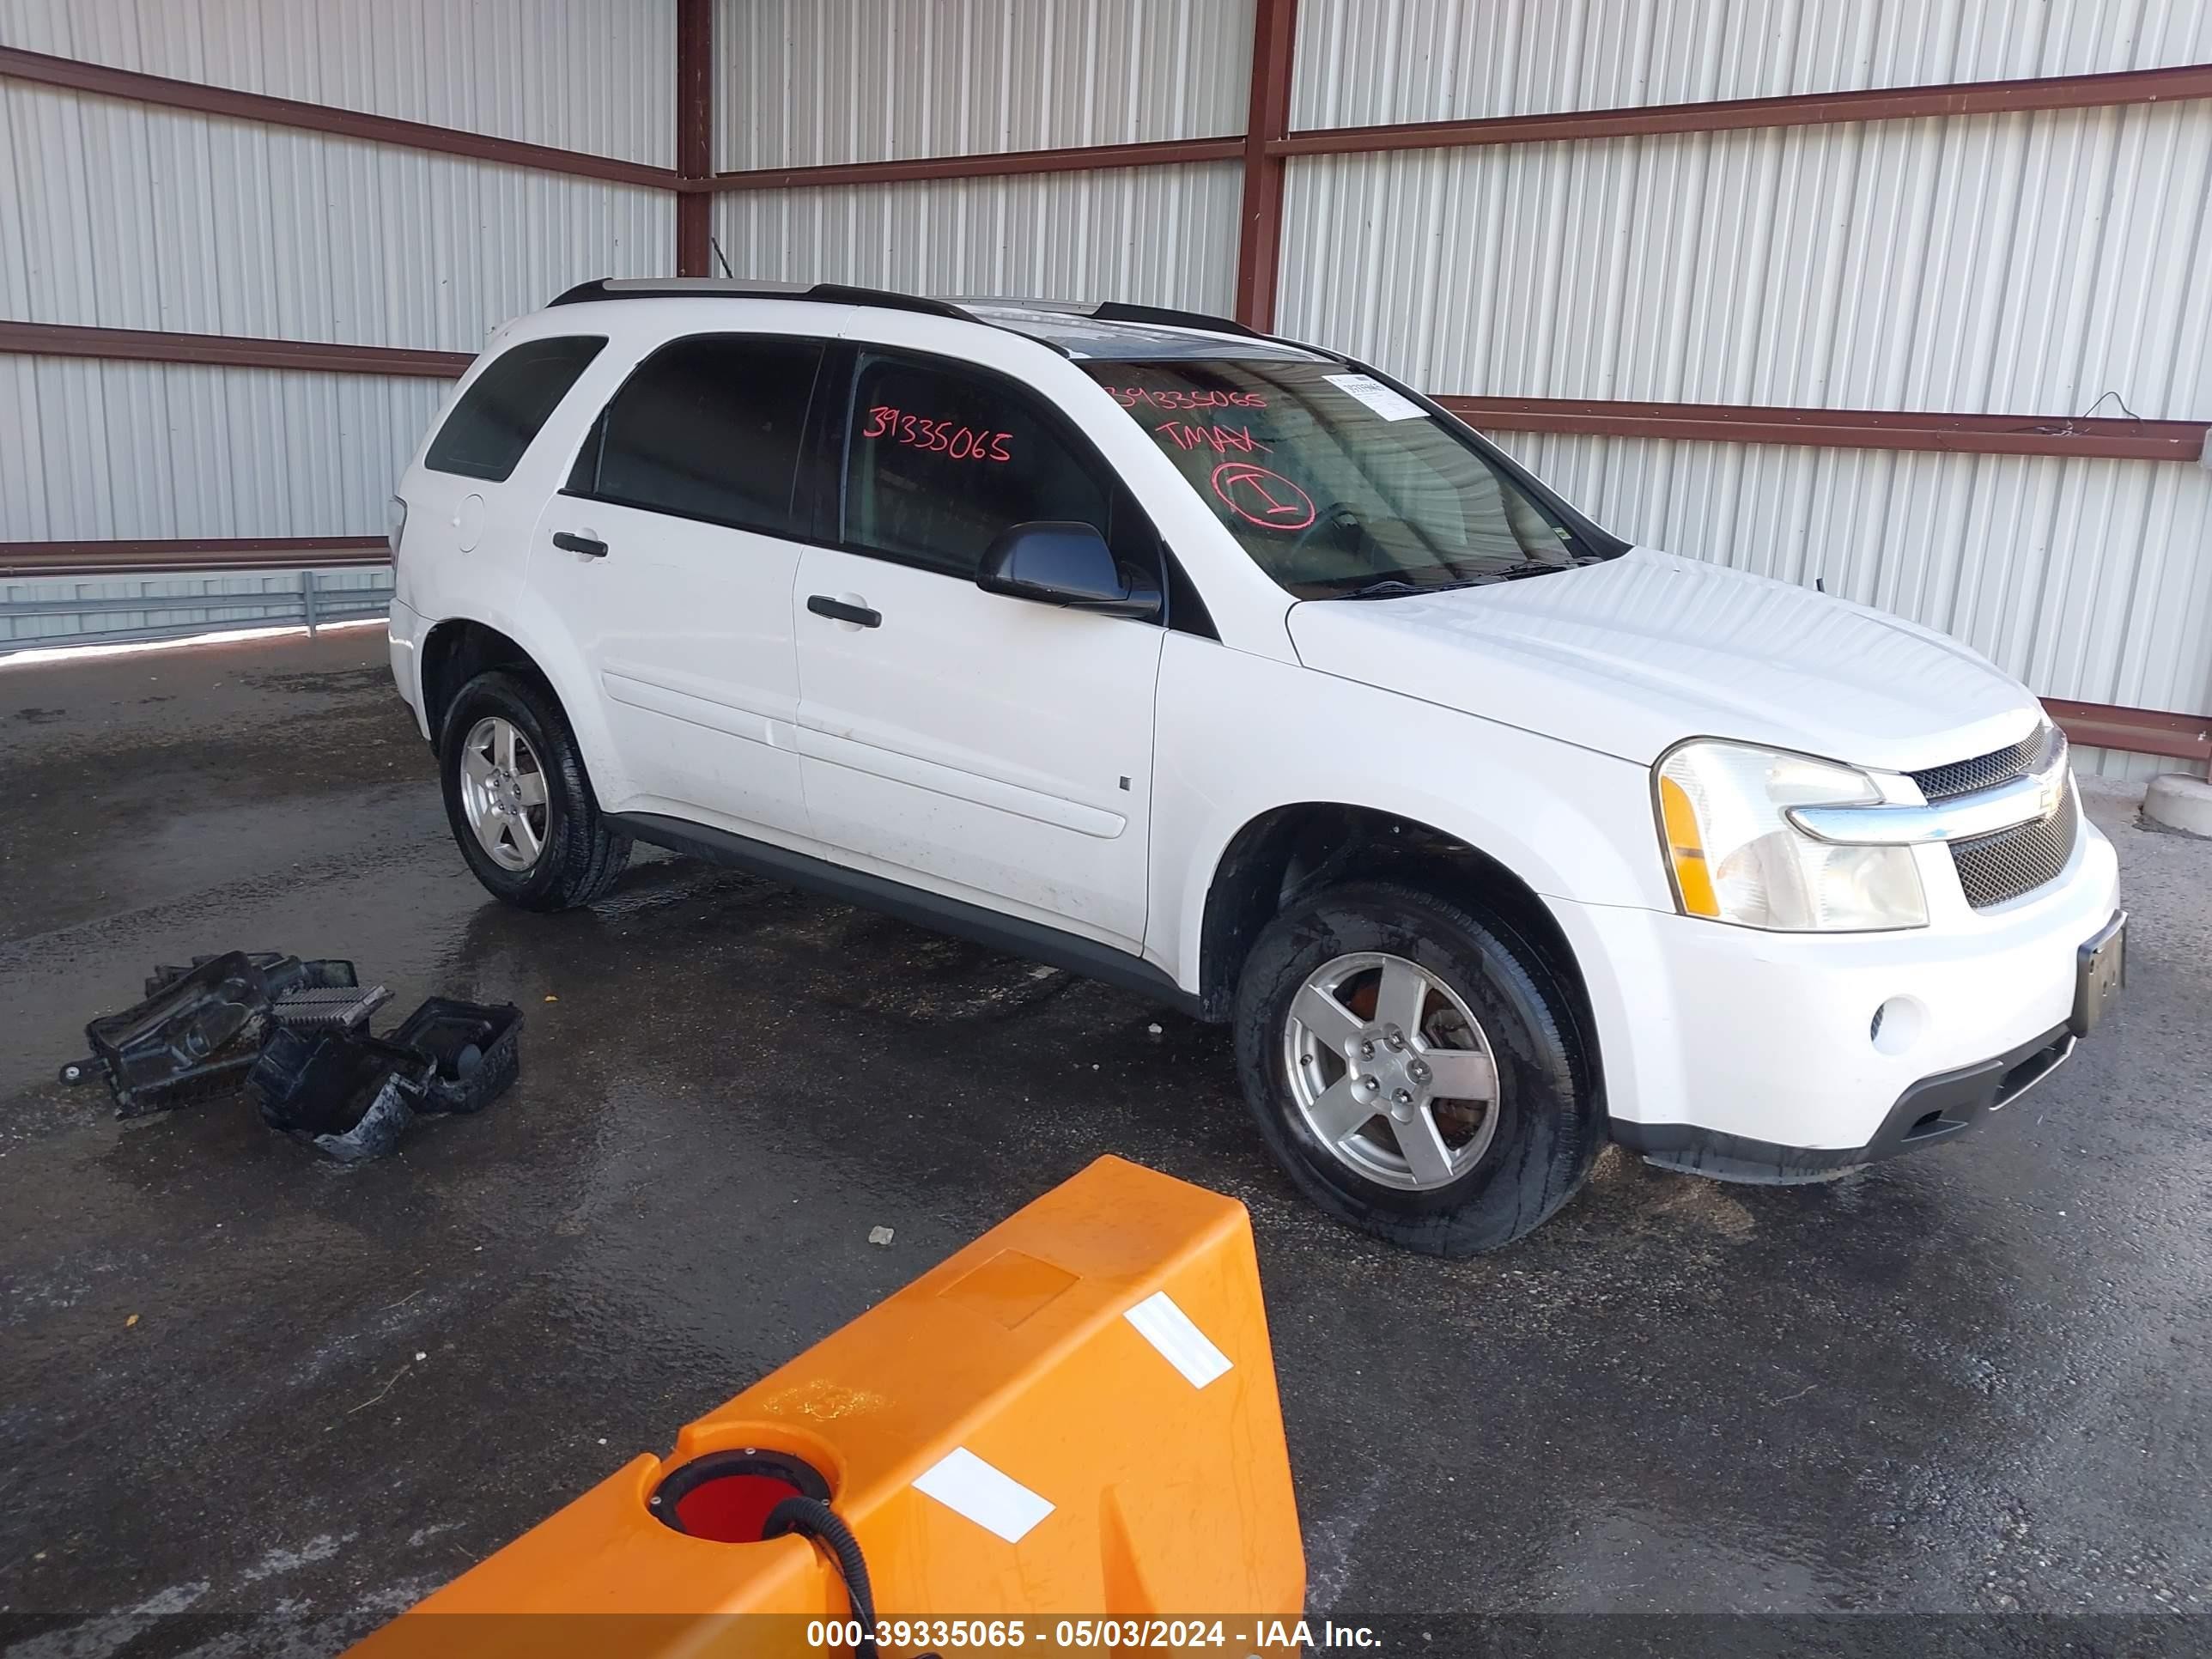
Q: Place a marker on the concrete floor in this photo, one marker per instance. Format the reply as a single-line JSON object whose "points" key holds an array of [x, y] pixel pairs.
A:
{"points": [[283, 1401]]}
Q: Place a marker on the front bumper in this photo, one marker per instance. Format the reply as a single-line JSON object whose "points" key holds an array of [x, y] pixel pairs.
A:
{"points": [[1932, 1109], [1756, 1056]]}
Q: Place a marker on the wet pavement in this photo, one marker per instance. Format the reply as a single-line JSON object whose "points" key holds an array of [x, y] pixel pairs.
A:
{"points": [[285, 1400]]}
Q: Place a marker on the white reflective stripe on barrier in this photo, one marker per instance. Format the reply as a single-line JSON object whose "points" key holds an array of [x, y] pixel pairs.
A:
{"points": [[1181, 1344], [966, 1484]]}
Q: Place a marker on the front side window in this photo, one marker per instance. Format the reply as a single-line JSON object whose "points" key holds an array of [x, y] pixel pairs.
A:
{"points": [[501, 412], [1336, 484], [707, 428], [940, 460]]}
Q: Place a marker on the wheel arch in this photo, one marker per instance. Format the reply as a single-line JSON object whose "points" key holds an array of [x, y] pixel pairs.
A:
{"points": [[1290, 850], [455, 652], [456, 649]]}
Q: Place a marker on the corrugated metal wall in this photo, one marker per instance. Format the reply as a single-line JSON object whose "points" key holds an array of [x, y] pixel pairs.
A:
{"points": [[1155, 235], [2022, 263], [1365, 62], [2045, 264], [136, 451], [800, 83], [126, 215], [587, 75], [129, 216]]}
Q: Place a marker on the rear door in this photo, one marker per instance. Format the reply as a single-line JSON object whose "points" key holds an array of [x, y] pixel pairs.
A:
{"points": [[999, 749], [674, 564]]}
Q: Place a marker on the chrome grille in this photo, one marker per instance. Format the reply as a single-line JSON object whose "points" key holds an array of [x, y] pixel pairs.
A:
{"points": [[1986, 771], [1995, 869]]}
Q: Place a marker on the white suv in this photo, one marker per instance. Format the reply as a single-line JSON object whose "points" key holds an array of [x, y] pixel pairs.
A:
{"points": [[1228, 669]]}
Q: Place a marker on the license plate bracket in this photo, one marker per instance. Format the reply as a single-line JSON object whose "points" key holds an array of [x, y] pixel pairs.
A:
{"points": [[2101, 970]]}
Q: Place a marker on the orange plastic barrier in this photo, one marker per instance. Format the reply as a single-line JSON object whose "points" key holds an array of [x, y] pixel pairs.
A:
{"points": [[1074, 1416]]}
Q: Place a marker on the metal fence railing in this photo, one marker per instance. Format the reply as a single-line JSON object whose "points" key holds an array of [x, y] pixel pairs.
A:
{"points": [[124, 609]]}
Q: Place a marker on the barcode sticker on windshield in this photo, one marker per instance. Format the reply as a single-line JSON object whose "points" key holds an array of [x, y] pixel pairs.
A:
{"points": [[1390, 405]]}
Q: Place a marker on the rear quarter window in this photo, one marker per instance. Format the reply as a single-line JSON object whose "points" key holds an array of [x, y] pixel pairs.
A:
{"points": [[500, 414], [710, 428]]}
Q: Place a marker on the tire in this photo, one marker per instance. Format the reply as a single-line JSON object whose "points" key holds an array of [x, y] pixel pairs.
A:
{"points": [[1470, 1188], [575, 856]]}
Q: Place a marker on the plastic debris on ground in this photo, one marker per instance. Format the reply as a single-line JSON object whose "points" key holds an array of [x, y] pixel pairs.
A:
{"points": [[298, 1032], [474, 1049], [193, 1036], [342, 1092], [284, 973], [332, 1007]]}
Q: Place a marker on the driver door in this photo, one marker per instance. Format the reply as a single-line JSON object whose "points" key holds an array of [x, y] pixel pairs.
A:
{"points": [[988, 748]]}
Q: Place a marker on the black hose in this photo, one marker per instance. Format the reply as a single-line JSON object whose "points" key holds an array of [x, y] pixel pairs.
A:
{"points": [[817, 1520]]}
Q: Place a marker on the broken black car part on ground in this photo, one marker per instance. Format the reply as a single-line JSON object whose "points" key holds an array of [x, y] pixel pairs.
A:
{"points": [[299, 1032], [201, 1028], [352, 1095]]}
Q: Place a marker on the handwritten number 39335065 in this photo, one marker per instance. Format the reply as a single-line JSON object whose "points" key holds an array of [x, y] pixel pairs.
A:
{"points": [[959, 443]]}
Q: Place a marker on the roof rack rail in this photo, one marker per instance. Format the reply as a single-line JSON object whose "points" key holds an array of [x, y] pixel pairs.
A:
{"points": [[697, 288], [1120, 311], [1104, 311]]}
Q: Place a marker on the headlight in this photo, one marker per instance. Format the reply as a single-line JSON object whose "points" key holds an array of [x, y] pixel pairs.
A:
{"points": [[1736, 857]]}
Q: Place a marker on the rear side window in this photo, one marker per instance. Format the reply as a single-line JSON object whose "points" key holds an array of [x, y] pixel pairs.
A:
{"points": [[941, 460], [707, 428], [504, 406]]}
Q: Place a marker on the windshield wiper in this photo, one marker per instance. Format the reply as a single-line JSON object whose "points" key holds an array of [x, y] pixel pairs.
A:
{"points": [[1388, 588], [1510, 573]]}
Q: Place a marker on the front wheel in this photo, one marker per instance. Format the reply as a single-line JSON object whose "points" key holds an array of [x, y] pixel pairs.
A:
{"points": [[1414, 1066], [519, 801]]}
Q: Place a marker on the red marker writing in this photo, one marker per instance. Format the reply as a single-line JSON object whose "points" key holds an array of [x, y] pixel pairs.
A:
{"points": [[1223, 438], [1261, 497], [961, 443]]}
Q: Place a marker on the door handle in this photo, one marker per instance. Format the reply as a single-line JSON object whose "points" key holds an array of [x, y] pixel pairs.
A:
{"points": [[590, 546], [837, 611]]}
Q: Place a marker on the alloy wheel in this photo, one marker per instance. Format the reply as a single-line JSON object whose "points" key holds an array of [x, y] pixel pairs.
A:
{"points": [[1391, 1070], [503, 793]]}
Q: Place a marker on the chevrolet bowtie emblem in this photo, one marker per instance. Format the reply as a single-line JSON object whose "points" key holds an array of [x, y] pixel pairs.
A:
{"points": [[2051, 786]]}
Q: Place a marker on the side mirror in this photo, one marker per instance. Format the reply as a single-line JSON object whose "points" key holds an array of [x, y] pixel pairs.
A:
{"points": [[1062, 564]]}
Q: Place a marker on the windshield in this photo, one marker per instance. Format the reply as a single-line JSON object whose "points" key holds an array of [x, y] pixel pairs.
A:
{"points": [[1335, 485]]}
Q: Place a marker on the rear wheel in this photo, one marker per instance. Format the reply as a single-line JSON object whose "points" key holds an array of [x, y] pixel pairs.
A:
{"points": [[519, 801], [1413, 1064]]}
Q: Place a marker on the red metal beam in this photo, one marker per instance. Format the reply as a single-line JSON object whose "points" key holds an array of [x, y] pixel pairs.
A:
{"points": [[1271, 80], [1076, 158], [695, 133], [1267, 132], [122, 558], [103, 82], [2139, 731], [1842, 428], [1807, 109], [2102, 438], [226, 350], [1260, 233]]}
